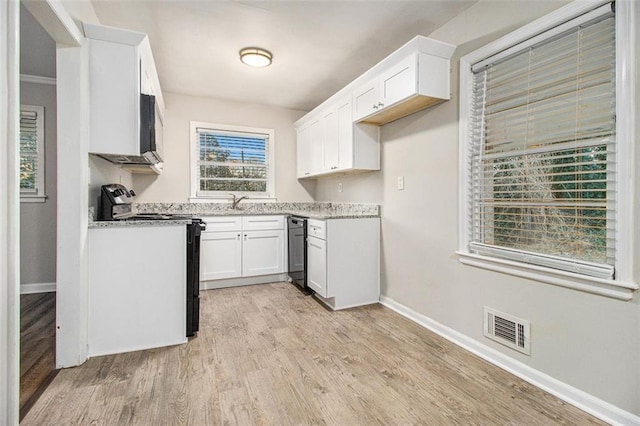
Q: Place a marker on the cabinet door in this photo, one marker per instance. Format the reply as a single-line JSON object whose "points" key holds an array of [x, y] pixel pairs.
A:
{"points": [[317, 265], [262, 253], [399, 82], [331, 140], [316, 148], [365, 99], [114, 100], [304, 153], [344, 115], [220, 255]]}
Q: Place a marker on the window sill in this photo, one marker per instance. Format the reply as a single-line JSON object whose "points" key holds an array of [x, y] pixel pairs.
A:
{"points": [[33, 198], [602, 287]]}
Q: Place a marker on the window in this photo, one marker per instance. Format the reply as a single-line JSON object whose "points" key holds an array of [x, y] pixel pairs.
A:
{"points": [[541, 152], [32, 154], [231, 159]]}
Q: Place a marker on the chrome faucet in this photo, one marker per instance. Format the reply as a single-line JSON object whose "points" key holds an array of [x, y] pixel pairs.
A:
{"points": [[236, 200]]}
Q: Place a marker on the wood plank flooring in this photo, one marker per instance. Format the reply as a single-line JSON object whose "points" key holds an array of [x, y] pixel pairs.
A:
{"points": [[37, 346], [270, 355]]}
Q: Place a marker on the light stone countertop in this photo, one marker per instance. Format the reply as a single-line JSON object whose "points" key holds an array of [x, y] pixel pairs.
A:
{"points": [[321, 211], [311, 210]]}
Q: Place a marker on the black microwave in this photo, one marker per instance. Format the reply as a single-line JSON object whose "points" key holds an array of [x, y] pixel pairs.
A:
{"points": [[149, 155], [148, 128]]}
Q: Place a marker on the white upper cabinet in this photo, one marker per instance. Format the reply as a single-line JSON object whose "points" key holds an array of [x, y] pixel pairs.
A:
{"points": [[316, 146], [303, 156], [414, 77], [346, 141], [414, 83], [397, 83], [332, 143], [121, 67], [366, 98]]}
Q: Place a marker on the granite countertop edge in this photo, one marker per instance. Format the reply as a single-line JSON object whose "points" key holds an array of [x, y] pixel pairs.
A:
{"points": [[310, 215], [93, 224], [140, 223]]}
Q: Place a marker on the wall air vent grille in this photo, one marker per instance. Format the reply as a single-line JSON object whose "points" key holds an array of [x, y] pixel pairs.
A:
{"points": [[508, 330]]}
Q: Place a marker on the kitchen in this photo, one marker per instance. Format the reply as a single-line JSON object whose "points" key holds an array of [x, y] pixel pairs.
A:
{"points": [[442, 289]]}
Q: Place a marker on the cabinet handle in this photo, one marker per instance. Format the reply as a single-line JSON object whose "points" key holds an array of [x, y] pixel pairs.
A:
{"points": [[380, 104], [245, 237], [375, 106], [238, 236]]}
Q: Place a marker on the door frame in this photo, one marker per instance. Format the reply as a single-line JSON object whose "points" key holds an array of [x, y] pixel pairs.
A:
{"points": [[9, 213], [71, 236]]}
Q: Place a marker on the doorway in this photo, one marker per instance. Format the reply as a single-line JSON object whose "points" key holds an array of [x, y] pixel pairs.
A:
{"points": [[38, 204]]}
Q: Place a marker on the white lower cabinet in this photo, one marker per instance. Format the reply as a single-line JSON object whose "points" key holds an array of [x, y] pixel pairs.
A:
{"points": [[262, 252], [227, 261], [317, 265], [343, 261], [247, 246], [136, 291]]}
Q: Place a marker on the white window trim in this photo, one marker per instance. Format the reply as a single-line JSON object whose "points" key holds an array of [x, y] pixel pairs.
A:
{"points": [[39, 195], [220, 198], [622, 287]]}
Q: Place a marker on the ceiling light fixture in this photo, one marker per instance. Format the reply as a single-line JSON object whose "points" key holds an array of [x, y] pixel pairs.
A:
{"points": [[255, 57]]}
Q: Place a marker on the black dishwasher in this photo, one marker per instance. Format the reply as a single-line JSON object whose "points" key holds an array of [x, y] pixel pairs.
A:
{"points": [[297, 243]]}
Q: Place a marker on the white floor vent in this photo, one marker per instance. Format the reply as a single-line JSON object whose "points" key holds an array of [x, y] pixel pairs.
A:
{"points": [[508, 330]]}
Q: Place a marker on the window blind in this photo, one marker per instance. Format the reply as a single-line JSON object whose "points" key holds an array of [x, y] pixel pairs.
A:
{"points": [[232, 161], [29, 151], [543, 151]]}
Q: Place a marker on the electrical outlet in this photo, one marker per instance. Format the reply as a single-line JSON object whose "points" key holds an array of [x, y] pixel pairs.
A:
{"points": [[339, 186], [400, 183]]}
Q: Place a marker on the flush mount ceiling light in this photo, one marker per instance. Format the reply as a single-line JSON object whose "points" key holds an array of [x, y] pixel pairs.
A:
{"points": [[255, 57]]}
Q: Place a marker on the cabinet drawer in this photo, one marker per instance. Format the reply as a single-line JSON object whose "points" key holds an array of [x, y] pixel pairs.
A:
{"points": [[223, 223], [258, 223], [316, 228]]}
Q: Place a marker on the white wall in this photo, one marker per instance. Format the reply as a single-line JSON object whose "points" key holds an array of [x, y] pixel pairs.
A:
{"points": [[102, 172], [587, 341], [38, 220], [173, 184]]}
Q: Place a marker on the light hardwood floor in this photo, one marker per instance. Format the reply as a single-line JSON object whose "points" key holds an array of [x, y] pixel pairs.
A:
{"points": [[269, 354]]}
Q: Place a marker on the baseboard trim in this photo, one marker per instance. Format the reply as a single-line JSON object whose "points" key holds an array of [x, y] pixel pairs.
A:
{"points": [[596, 407], [237, 282], [37, 288]]}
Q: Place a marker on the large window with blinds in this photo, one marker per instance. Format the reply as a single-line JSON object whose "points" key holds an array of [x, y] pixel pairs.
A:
{"points": [[541, 155], [32, 153], [231, 160]]}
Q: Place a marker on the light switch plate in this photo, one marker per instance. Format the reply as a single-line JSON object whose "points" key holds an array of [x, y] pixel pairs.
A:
{"points": [[400, 183], [339, 186]]}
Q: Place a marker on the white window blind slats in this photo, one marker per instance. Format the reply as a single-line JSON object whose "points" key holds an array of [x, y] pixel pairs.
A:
{"points": [[543, 151], [30, 150], [595, 14], [232, 161]]}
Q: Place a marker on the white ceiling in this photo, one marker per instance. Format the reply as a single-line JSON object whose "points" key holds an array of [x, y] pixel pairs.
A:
{"points": [[318, 46]]}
